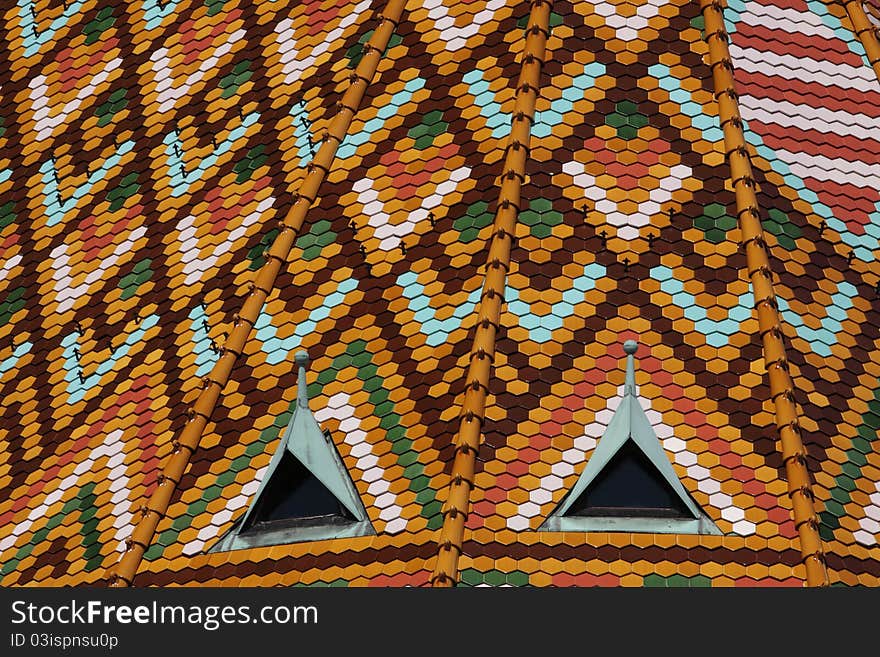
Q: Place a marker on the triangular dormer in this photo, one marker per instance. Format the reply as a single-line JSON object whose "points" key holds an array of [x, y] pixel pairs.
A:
{"points": [[629, 484], [306, 493]]}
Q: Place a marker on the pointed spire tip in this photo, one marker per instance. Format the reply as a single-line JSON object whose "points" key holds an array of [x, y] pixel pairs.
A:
{"points": [[630, 347], [302, 361]]}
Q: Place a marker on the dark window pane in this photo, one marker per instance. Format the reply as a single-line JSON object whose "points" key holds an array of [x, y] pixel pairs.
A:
{"points": [[295, 493], [629, 485]]}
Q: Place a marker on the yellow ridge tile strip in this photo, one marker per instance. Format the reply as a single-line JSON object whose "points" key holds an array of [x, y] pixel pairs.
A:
{"points": [[866, 32], [243, 322], [758, 263], [467, 441]]}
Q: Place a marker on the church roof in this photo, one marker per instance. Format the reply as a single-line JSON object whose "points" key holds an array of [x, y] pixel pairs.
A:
{"points": [[153, 153]]}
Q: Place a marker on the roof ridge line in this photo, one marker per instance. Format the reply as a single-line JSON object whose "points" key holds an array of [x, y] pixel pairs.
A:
{"points": [[866, 31], [467, 439], [259, 290], [760, 274]]}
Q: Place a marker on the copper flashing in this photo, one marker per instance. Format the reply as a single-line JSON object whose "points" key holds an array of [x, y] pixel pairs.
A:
{"points": [[760, 274], [200, 413], [467, 440]]}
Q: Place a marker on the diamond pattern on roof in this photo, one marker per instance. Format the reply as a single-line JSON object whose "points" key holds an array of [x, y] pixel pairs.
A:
{"points": [[147, 151]]}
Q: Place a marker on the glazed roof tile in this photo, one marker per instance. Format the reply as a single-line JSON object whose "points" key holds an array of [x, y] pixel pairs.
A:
{"points": [[145, 162]]}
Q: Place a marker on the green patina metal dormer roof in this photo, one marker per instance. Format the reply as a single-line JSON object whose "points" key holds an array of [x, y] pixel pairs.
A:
{"points": [[313, 448], [681, 185], [630, 427]]}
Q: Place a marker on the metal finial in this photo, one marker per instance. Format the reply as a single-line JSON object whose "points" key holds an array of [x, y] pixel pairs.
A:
{"points": [[630, 347], [302, 362]]}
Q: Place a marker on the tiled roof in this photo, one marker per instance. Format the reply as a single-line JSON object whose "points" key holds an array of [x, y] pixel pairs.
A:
{"points": [[872, 10], [149, 150]]}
